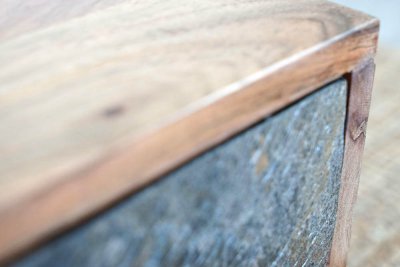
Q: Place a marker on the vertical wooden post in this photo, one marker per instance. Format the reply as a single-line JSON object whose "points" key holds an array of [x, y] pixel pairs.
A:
{"points": [[359, 98]]}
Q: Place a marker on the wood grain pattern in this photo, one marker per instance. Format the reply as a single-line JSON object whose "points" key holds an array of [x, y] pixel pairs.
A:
{"points": [[375, 238], [361, 80], [95, 107], [266, 197], [18, 16]]}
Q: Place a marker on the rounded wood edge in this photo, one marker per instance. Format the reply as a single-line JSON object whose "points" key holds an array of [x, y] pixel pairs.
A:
{"points": [[91, 190]]}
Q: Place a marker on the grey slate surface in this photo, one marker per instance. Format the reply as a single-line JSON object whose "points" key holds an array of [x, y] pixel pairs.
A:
{"points": [[267, 197]]}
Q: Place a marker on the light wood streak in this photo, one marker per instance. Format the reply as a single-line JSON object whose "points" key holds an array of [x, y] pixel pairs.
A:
{"points": [[18, 16]]}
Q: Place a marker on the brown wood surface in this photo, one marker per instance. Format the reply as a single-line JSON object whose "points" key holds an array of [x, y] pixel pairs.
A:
{"points": [[276, 184], [19, 16], [97, 106], [375, 237], [361, 80]]}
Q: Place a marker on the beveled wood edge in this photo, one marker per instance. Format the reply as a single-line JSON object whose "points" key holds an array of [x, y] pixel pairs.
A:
{"points": [[88, 191], [359, 98]]}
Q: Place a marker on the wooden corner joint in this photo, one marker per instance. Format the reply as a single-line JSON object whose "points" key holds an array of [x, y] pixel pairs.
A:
{"points": [[360, 82], [358, 130]]}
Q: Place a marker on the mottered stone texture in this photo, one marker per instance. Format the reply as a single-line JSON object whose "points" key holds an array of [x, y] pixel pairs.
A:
{"points": [[267, 197]]}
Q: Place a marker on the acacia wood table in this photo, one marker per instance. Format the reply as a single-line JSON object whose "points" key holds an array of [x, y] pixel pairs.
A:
{"points": [[181, 133]]}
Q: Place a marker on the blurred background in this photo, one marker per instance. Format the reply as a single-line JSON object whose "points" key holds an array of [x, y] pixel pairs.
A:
{"points": [[376, 222]]}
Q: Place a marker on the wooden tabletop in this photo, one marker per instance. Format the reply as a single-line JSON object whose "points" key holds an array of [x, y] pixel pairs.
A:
{"points": [[99, 98]]}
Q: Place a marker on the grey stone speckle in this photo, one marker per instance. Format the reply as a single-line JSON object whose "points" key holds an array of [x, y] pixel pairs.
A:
{"points": [[267, 197]]}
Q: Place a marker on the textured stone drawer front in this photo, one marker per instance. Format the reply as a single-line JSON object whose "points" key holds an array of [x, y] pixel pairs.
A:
{"points": [[267, 197]]}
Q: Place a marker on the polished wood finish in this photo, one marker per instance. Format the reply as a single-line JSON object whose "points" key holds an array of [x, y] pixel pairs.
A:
{"points": [[18, 16], [276, 184], [380, 168], [359, 99], [98, 106]]}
